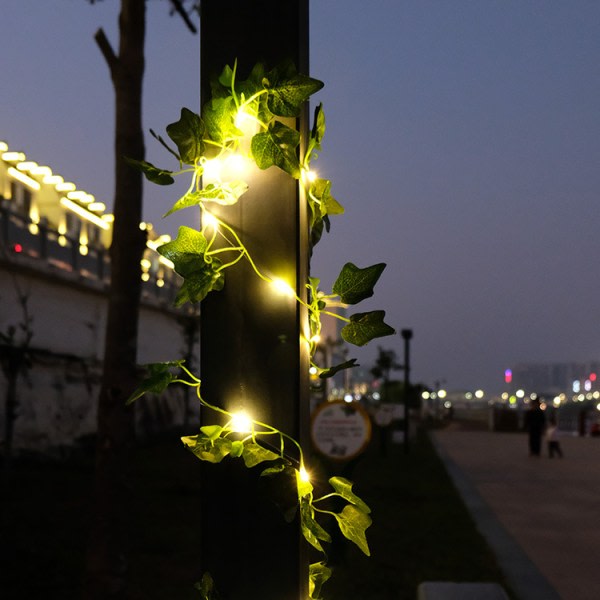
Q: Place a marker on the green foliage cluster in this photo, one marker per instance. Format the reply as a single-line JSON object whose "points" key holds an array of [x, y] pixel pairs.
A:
{"points": [[263, 100], [265, 103], [250, 442]]}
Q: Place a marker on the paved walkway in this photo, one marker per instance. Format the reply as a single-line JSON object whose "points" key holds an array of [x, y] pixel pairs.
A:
{"points": [[540, 516]]}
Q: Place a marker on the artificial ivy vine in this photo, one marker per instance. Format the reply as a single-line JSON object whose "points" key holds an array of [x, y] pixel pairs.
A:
{"points": [[219, 133]]}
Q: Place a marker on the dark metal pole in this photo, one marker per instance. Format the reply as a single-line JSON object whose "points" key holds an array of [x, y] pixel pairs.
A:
{"points": [[252, 357], [406, 336]]}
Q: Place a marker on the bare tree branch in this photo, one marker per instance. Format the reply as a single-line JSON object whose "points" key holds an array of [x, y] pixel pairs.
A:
{"points": [[180, 10], [106, 49]]}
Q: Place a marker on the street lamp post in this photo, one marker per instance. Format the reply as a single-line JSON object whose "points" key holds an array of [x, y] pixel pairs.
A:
{"points": [[406, 336], [252, 354]]}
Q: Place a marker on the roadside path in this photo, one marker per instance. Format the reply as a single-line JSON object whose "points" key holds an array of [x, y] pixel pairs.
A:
{"points": [[540, 516]]}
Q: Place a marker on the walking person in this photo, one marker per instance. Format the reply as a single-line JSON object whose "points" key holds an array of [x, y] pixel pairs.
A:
{"points": [[552, 435], [535, 423]]}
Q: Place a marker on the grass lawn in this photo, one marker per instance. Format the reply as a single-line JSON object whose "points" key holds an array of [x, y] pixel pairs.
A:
{"points": [[421, 530]]}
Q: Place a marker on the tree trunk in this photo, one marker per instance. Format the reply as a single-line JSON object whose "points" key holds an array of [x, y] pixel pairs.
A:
{"points": [[106, 567]]}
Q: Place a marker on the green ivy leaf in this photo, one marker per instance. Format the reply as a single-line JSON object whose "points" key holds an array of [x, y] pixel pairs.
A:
{"points": [[159, 378], [364, 327], [331, 371], [206, 587], [353, 524], [316, 230], [187, 133], [206, 449], [318, 129], [187, 200], [318, 574], [354, 284], [289, 90], [152, 173], [277, 146], [199, 284], [187, 253], [254, 454], [237, 448], [344, 488], [276, 470], [320, 190], [311, 530], [219, 120], [164, 144], [321, 204], [225, 194], [226, 77], [253, 84], [212, 432]]}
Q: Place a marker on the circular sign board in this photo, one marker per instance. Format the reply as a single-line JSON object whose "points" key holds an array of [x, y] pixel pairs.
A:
{"points": [[384, 415], [340, 430]]}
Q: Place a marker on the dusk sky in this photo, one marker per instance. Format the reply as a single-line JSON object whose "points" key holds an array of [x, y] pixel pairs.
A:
{"points": [[463, 139]]}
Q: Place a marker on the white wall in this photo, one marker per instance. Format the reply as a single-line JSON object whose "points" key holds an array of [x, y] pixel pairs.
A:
{"points": [[57, 397]]}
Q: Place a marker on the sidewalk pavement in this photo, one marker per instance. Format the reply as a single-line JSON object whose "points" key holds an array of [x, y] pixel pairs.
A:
{"points": [[539, 515]]}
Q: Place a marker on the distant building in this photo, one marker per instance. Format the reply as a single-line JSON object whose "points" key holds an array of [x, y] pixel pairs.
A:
{"points": [[54, 277], [552, 379]]}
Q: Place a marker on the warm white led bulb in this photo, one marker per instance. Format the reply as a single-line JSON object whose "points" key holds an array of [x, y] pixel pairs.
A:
{"points": [[241, 423], [212, 169], [209, 220], [283, 287], [236, 164], [304, 476], [246, 122]]}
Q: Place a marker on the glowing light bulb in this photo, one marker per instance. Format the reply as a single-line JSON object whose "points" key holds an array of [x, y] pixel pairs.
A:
{"points": [[26, 165], [246, 122], [315, 339], [241, 423], [52, 179], [209, 220], [304, 475], [283, 287], [65, 186], [40, 170], [313, 370], [13, 156], [311, 175], [241, 119], [236, 163], [212, 169]]}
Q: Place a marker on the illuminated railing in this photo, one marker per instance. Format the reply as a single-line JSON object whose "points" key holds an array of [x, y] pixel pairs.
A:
{"points": [[52, 251]]}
